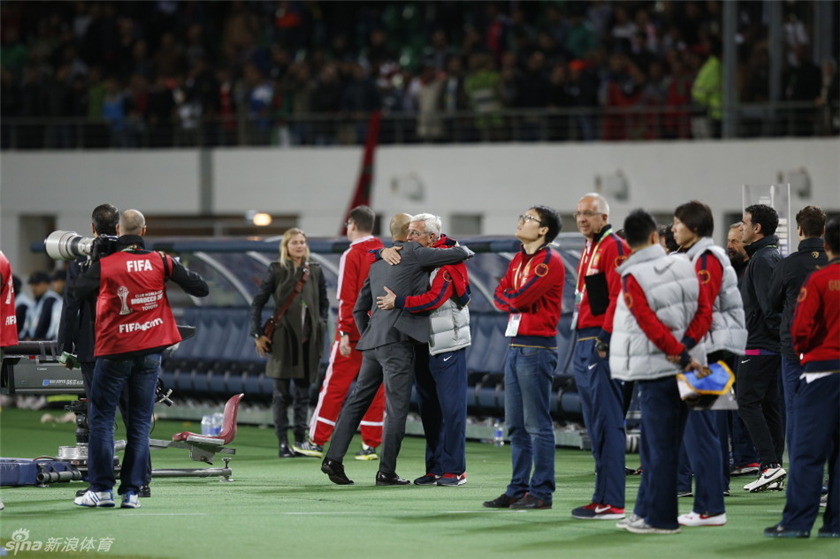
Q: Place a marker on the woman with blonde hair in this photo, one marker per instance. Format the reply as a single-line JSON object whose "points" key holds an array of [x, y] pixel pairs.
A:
{"points": [[294, 348]]}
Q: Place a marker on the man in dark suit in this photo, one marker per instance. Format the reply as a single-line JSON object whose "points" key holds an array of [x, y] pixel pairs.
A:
{"points": [[388, 343]]}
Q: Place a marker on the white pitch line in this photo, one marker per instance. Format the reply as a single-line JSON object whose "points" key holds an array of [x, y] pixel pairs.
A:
{"points": [[167, 514], [357, 513]]}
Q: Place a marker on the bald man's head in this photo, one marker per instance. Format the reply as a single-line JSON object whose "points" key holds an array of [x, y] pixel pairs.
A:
{"points": [[132, 222], [399, 227]]}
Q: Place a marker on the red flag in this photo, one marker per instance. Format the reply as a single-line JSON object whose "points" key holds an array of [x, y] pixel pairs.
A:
{"points": [[361, 196]]}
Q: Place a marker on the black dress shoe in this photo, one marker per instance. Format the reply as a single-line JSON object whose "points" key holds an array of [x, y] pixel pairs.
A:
{"points": [[529, 502], [335, 470], [503, 501], [286, 451], [390, 479], [145, 491]]}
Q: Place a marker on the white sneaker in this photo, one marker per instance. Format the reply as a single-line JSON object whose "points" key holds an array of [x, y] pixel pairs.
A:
{"points": [[767, 477], [130, 501], [695, 519], [633, 518], [778, 485], [95, 499]]}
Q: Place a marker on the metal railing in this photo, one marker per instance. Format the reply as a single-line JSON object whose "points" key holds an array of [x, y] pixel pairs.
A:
{"points": [[638, 123]]}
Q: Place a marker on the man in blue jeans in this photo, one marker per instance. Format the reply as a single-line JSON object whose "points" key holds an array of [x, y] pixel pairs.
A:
{"points": [[532, 292], [134, 324]]}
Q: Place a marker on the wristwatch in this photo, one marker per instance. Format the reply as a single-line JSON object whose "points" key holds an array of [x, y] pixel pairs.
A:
{"points": [[343, 334], [602, 347], [256, 336]]}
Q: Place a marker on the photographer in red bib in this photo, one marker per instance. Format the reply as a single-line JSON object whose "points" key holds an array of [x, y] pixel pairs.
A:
{"points": [[134, 324]]}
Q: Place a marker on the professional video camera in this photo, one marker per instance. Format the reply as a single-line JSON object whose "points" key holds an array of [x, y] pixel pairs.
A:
{"points": [[69, 245]]}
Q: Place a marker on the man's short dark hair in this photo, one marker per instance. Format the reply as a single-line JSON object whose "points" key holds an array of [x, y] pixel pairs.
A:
{"points": [[549, 218], [667, 234], [105, 218], [363, 217], [832, 237], [697, 216], [812, 221], [638, 226], [765, 216]]}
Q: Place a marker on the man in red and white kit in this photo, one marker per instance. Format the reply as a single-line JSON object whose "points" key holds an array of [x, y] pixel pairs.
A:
{"points": [[602, 399], [8, 318], [345, 361]]}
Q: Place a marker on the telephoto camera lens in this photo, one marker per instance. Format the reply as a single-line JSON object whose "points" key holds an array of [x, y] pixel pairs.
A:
{"points": [[67, 245]]}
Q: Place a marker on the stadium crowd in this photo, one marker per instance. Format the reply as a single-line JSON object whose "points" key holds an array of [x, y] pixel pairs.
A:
{"points": [[132, 74]]}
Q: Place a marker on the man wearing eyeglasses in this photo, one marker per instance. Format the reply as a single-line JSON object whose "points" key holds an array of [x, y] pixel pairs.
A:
{"points": [[441, 367], [532, 292], [387, 343], [596, 293]]}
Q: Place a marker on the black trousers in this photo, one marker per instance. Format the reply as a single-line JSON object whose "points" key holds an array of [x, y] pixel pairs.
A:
{"points": [[284, 396], [760, 405]]}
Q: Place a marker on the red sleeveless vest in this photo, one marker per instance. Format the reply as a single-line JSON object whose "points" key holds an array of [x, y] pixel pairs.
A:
{"points": [[8, 318], [132, 311]]}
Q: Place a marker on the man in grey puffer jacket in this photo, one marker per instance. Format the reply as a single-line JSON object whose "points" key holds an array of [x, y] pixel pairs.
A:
{"points": [[440, 371], [660, 317]]}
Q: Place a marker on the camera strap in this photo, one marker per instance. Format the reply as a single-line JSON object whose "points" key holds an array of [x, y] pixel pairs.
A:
{"points": [[166, 272]]}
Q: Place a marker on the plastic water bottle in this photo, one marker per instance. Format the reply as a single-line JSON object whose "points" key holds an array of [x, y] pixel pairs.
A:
{"points": [[218, 419], [207, 425], [498, 434]]}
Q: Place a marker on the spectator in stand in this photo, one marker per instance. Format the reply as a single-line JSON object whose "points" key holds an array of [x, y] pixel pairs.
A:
{"points": [[708, 89], [581, 37], [559, 126], [113, 112], [326, 98], [260, 104], [620, 90], [482, 87], [533, 93], [583, 93], [827, 99], [803, 85], [430, 125], [360, 98], [161, 114], [677, 121], [227, 108], [453, 98]]}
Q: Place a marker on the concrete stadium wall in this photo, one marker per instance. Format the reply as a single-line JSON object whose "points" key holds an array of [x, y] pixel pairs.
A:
{"points": [[490, 183]]}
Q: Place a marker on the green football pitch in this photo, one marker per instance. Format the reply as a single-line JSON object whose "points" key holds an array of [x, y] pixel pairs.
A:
{"points": [[289, 509]]}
